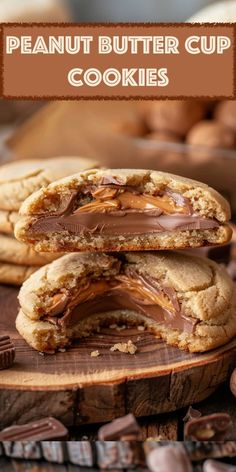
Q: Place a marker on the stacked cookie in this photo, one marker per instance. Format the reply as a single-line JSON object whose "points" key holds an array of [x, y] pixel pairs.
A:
{"points": [[186, 300], [17, 181]]}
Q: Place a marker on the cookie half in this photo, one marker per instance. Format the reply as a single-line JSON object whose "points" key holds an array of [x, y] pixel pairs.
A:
{"points": [[186, 300], [19, 179], [119, 210]]}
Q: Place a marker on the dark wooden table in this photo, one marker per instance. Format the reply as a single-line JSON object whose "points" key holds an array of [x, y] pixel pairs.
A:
{"points": [[168, 426]]}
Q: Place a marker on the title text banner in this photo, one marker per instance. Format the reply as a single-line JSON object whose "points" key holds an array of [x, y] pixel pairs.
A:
{"points": [[118, 61]]}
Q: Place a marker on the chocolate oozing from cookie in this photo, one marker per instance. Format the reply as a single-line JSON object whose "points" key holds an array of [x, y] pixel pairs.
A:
{"points": [[113, 209], [129, 291]]}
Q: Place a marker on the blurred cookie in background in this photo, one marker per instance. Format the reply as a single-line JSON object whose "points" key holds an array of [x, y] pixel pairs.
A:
{"points": [[37, 11], [175, 116], [208, 135], [164, 136], [225, 113]]}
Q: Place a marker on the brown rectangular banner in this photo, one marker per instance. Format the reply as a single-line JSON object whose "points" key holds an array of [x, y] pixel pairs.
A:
{"points": [[120, 61]]}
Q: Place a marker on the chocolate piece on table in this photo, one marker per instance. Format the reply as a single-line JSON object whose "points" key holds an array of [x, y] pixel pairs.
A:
{"points": [[208, 428], [117, 454], [191, 414], [169, 459], [216, 466], [7, 352], [22, 450], [124, 428], [54, 451], [231, 269], [233, 382], [47, 428], [80, 453], [199, 450]]}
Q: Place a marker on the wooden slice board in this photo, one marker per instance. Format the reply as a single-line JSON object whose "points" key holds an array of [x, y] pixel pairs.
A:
{"points": [[77, 388]]}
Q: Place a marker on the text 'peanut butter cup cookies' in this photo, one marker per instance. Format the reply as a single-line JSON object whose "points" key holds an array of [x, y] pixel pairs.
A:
{"points": [[186, 300], [117, 210]]}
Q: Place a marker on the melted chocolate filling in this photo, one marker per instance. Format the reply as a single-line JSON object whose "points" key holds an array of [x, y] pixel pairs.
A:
{"points": [[117, 214], [115, 223], [133, 292]]}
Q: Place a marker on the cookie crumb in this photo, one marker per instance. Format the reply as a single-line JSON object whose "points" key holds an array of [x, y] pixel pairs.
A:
{"points": [[120, 328], [94, 353], [156, 438], [127, 348], [141, 328]]}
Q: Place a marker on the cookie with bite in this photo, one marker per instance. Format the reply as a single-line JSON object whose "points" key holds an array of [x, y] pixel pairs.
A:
{"points": [[188, 301]]}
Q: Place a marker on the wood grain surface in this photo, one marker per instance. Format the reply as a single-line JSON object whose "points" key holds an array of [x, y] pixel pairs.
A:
{"points": [[79, 389]]}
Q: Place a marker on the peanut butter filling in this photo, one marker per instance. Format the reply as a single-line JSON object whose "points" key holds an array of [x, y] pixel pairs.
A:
{"points": [[125, 291], [109, 199]]}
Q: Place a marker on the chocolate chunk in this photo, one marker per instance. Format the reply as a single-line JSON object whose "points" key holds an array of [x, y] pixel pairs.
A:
{"points": [[117, 454], [22, 450], [233, 382], [80, 453], [208, 428], [122, 428], [231, 269], [7, 352], [47, 428], [215, 466], [54, 451], [108, 179], [191, 414], [179, 199], [169, 459], [199, 450]]}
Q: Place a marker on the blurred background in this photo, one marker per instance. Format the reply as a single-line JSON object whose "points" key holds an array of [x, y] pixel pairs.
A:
{"points": [[116, 10]]}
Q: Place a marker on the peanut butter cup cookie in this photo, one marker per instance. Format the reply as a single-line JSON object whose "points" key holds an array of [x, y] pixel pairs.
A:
{"points": [[123, 210], [186, 300]]}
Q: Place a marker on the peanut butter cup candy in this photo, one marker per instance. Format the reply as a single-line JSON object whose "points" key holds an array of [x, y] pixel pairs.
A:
{"points": [[123, 210], [186, 300]]}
